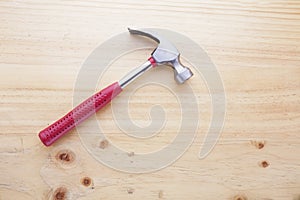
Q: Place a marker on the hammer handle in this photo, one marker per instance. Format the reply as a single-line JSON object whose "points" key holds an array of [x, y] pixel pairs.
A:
{"points": [[81, 112]]}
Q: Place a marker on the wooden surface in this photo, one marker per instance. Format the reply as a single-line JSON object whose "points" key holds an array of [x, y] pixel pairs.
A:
{"points": [[256, 48]]}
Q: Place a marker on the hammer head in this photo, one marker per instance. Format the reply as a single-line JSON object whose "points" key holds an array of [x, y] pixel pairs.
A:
{"points": [[166, 53]]}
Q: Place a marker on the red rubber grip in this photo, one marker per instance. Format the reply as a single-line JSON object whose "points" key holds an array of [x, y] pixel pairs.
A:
{"points": [[81, 112]]}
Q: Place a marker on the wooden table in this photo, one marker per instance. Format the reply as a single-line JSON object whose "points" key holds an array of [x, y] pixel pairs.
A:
{"points": [[255, 46]]}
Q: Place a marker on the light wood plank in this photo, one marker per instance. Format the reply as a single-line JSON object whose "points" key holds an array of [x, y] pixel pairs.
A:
{"points": [[256, 48]]}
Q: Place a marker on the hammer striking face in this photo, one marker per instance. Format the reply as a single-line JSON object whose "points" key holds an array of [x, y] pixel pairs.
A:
{"points": [[165, 54]]}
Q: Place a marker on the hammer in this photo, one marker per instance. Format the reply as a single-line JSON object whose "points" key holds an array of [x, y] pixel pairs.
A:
{"points": [[165, 54]]}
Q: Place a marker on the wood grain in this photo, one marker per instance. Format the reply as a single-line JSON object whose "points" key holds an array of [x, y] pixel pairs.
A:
{"points": [[256, 48]]}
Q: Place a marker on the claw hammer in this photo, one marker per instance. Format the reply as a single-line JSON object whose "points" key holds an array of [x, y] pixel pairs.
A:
{"points": [[165, 54]]}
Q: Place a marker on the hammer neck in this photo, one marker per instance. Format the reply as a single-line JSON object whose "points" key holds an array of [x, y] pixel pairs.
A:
{"points": [[134, 74]]}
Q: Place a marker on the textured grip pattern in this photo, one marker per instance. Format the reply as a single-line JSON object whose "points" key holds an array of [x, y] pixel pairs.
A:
{"points": [[81, 112]]}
